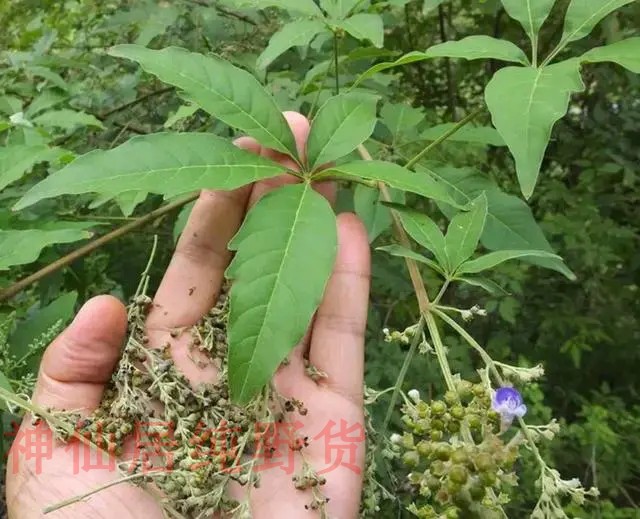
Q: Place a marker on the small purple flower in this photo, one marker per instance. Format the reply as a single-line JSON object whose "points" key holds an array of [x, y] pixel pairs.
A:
{"points": [[507, 402]]}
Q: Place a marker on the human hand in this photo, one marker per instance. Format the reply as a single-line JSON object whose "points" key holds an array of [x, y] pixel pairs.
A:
{"points": [[78, 364]]}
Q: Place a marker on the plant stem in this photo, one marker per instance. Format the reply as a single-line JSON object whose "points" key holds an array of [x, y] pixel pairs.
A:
{"points": [[17, 287], [460, 124], [82, 497], [335, 61], [403, 373], [443, 289], [441, 353]]}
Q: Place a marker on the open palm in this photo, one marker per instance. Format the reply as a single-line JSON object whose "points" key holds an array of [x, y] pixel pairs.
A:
{"points": [[77, 365]]}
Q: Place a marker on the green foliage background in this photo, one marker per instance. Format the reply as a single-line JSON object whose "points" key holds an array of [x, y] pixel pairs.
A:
{"points": [[54, 68]]}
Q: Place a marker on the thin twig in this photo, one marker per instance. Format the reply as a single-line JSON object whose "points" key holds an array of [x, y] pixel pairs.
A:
{"points": [[444, 137], [137, 101], [17, 287], [225, 12], [417, 339], [451, 95]]}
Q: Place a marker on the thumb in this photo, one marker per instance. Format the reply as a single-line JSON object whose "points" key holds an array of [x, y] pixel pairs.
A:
{"points": [[80, 361]]}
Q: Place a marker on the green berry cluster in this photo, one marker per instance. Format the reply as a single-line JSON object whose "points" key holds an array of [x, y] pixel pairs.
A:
{"points": [[460, 466]]}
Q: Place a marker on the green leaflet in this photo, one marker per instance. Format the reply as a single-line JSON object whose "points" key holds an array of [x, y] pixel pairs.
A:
{"points": [[129, 200], [18, 159], [478, 47], [403, 252], [399, 117], [425, 232], [476, 134], [225, 91], [393, 175], [168, 164], [286, 249], [510, 225], [158, 18], [583, 15], [305, 7], [464, 232], [410, 57], [625, 53], [47, 99], [488, 261], [183, 112], [66, 119], [338, 9], [365, 26], [296, 33], [370, 209], [525, 103], [18, 247], [486, 284], [530, 13], [341, 124]]}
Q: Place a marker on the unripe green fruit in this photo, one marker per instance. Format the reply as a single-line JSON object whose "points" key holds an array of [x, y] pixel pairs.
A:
{"points": [[411, 459], [433, 483], [436, 435], [437, 468], [478, 390], [438, 408], [452, 513], [459, 456], [457, 411], [458, 474], [424, 448], [483, 462], [488, 479], [474, 421], [437, 424], [450, 397], [477, 491], [443, 452]]}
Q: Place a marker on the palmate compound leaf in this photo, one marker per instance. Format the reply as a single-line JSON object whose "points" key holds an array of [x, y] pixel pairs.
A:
{"points": [[168, 164], [293, 34], [510, 224], [227, 92], [286, 249], [525, 103], [341, 124]]}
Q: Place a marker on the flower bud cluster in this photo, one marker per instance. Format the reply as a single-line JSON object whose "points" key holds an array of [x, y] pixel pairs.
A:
{"points": [[457, 461]]}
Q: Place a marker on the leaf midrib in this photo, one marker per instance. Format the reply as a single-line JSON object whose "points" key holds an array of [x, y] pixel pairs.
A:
{"points": [[146, 173], [331, 138], [225, 98], [275, 283], [580, 27]]}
